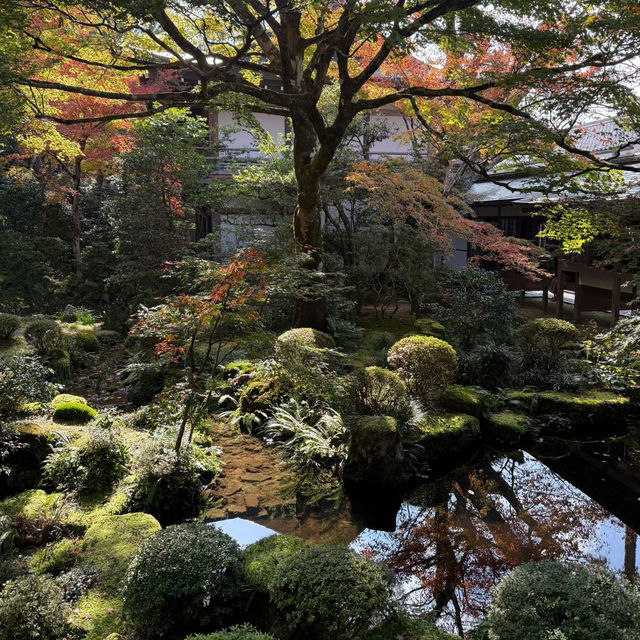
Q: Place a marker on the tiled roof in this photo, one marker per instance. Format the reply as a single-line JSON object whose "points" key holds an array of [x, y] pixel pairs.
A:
{"points": [[602, 136]]}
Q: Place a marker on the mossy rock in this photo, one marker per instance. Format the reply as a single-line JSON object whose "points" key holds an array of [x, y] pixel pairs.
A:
{"points": [[457, 398], [55, 557], [73, 413], [262, 558], [110, 544], [237, 369], [375, 452], [67, 397], [441, 433], [429, 327], [407, 630], [259, 395], [591, 408], [304, 337], [506, 428]]}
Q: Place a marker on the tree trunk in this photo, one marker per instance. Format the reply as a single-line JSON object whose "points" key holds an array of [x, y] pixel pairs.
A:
{"points": [[630, 549], [307, 219], [75, 215]]}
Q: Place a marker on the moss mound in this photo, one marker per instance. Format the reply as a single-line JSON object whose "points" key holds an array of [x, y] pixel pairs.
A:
{"points": [[73, 412], [31, 504], [110, 544], [55, 557]]}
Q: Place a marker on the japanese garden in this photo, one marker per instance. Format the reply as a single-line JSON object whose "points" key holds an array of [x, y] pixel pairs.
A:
{"points": [[319, 320]]}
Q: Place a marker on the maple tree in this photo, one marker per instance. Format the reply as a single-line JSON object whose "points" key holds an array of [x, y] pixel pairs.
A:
{"points": [[280, 56], [199, 330]]}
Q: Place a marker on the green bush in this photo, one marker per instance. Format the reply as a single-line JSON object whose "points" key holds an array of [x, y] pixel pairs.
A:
{"points": [[32, 608], [73, 412], [563, 600], [23, 379], [551, 333], [426, 364], [186, 577], [168, 484], [244, 632], [63, 398], [44, 334], [92, 466], [305, 338], [407, 630], [262, 558], [380, 392], [328, 593], [473, 305], [8, 325], [379, 340]]}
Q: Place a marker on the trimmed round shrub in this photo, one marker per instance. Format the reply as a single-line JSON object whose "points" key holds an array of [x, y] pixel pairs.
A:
{"points": [[380, 392], [62, 398], [32, 608], [244, 632], [309, 338], [564, 600], [186, 577], [427, 364], [262, 558], [328, 593], [551, 333], [8, 325], [92, 466], [168, 484], [44, 334], [73, 412]]}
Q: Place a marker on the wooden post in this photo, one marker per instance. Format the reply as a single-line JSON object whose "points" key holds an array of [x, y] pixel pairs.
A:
{"points": [[577, 300], [615, 300], [545, 297], [560, 290]]}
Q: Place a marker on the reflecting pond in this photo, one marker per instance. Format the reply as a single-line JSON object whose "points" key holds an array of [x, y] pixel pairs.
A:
{"points": [[456, 535]]}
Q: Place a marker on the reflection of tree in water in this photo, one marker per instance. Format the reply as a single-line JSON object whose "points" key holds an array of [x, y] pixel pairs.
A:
{"points": [[464, 532]]}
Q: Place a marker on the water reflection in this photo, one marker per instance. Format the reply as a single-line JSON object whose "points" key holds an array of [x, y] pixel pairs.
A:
{"points": [[457, 535]]}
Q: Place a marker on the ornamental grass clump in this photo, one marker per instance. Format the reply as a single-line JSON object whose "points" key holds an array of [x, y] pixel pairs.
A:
{"points": [[425, 363], [187, 577]]}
